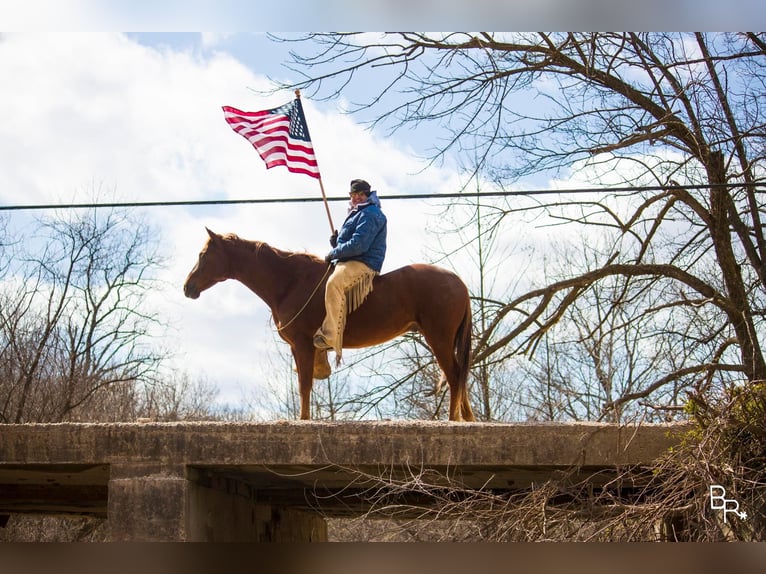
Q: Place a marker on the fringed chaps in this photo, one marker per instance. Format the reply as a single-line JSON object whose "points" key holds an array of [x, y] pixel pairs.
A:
{"points": [[348, 287]]}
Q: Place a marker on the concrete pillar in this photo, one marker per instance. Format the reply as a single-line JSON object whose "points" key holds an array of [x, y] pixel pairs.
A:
{"points": [[147, 503]]}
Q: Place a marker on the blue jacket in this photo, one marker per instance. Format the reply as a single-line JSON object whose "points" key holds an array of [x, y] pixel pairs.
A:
{"points": [[363, 236]]}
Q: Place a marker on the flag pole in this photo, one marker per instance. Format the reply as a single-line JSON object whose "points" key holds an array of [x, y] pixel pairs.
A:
{"points": [[321, 185], [326, 206]]}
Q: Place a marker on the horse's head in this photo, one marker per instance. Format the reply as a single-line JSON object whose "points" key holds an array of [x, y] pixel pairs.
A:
{"points": [[211, 268]]}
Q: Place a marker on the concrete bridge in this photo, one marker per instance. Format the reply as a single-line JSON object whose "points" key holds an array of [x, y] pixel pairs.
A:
{"points": [[277, 481]]}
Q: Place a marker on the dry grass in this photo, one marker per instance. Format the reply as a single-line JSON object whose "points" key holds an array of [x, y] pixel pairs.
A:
{"points": [[727, 447]]}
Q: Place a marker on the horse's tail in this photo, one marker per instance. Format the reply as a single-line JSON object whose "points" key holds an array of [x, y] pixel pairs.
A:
{"points": [[463, 360]]}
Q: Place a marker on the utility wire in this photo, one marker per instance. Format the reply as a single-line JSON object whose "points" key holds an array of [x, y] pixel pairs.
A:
{"points": [[466, 195]]}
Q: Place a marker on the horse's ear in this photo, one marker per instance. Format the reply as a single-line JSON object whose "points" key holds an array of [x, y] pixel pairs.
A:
{"points": [[212, 234]]}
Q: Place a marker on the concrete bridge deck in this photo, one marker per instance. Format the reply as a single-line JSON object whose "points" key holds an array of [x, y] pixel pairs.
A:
{"points": [[277, 481]]}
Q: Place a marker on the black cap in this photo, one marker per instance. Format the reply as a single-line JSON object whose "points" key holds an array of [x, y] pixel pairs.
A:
{"points": [[360, 185]]}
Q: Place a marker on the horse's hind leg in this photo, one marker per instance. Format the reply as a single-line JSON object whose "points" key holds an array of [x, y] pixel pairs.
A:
{"points": [[445, 357], [440, 333]]}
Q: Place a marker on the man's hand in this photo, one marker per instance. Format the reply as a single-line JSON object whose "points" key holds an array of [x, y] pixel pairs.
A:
{"points": [[328, 258], [334, 239]]}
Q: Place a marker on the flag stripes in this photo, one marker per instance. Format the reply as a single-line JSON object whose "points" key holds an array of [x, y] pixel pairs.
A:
{"points": [[280, 136]]}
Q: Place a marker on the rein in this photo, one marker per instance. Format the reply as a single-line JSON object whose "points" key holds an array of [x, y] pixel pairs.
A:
{"points": [[290, 322]]}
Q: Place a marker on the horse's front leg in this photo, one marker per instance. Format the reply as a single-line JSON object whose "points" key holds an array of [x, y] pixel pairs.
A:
{"points": [[303, 353]]}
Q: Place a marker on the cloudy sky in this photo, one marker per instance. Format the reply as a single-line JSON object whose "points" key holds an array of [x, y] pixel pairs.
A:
{"points": [[138, 117]]}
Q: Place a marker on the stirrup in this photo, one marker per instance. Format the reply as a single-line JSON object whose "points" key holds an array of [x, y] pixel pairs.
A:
{"points": [[321, 343]]}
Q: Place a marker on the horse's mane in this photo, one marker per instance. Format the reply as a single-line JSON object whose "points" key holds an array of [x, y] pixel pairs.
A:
{"points": [[257, 246]]}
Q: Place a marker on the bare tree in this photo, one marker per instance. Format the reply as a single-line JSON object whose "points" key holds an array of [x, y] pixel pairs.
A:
{"points": [[177, 397], [473, 245], [596, 356], [73, 319]]}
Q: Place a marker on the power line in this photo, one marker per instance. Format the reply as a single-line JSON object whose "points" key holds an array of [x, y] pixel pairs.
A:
{"points": [[466, 195]]}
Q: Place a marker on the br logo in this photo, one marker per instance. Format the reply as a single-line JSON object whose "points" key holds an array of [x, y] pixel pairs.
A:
{"points": [[718, 501]]}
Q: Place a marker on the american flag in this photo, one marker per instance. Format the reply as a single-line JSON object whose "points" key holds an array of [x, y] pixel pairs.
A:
{"points": [[280, 136]]}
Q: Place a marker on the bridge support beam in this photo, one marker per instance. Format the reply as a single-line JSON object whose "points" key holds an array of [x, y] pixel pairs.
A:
{"points": [[147, 503], [154, 503]]}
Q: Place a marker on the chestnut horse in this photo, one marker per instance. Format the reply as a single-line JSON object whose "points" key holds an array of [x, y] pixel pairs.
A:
{"points": [[416, 297]]}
